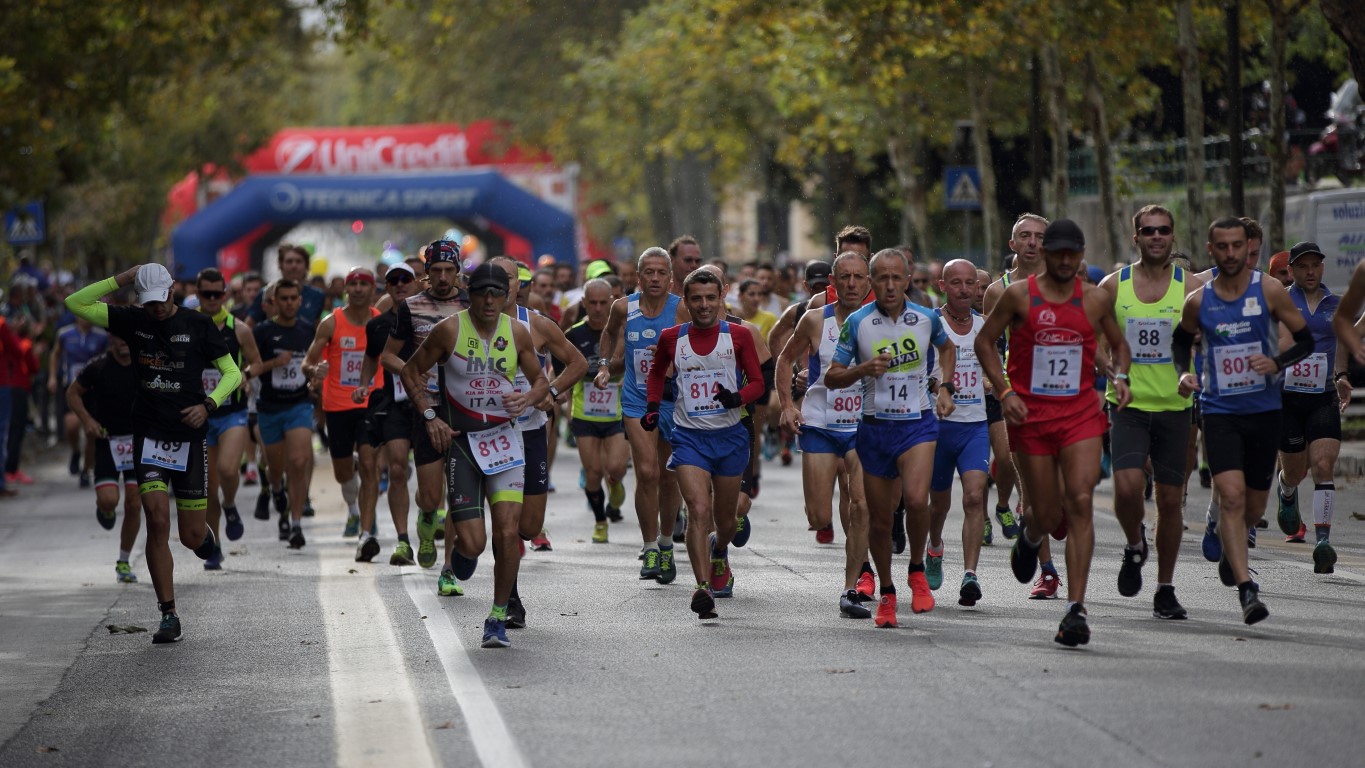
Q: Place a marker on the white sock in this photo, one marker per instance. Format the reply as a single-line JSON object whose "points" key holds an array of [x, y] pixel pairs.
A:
{"points": [[124, 554], [1213, 511], [1286, 493], [350, 491], [1323, 495]]}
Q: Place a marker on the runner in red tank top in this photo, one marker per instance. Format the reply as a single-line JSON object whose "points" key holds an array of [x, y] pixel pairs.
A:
{"points": [[1053, 412]]}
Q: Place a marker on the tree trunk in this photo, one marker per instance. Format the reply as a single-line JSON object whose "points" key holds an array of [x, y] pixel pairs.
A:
{"points": [[660, 209], [903, 155], [1104, 157], [1275, 144], [1192, 86], [1059, 127], [1349, 23], [695, 209], [978, 92]]}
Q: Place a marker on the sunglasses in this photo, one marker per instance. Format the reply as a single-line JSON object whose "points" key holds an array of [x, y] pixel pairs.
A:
{"points": [[1149, 231], [211, 295], [399, 279]]}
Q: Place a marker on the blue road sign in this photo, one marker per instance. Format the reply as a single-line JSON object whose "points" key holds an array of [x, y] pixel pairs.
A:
{"points": [[25, 225], [962, 188]]}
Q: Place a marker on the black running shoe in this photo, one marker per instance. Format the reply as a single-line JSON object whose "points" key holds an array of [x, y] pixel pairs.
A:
{"points": [[232, 525], [263, 505], [281, 500], [367, 550], [1073, 630], [1253, 610], [1205, 478], [106, 521], [1024, 558], [703, 604], [970, 592], [850, 608], [285, 527], [516, 613], [206, 549], [1130, 570], [169, 631], [296, 540], [680, 527], [1165, 606], [898, 538], [75, 466], [308, 510], [1225, 573]]}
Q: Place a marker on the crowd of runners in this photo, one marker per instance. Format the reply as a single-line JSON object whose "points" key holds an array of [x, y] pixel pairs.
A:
{"points": [[888, 379]]}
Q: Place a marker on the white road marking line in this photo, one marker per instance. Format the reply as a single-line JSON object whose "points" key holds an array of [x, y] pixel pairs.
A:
{"points": [[378, 720], [492, 741]]}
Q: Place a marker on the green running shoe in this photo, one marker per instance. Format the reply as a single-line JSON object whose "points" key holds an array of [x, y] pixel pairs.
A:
{"points": [[651, 568], [987, 535], [440, 534], [599, 532], [125, 573], [1009, 524], [169, 631], [447, 586], [352, 527], [1324, 557], [933, 569], [1288, 515], [668, 570], [426, 539], [402, 554], [616, 494]]}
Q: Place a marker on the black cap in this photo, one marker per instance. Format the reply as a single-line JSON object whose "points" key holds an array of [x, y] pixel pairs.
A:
{"points": [[1063, 235], [487, 276], [446, 251], [817, 272], [1306, 248]]}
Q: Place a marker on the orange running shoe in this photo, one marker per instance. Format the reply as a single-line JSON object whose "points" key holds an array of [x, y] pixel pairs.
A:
{"points": [[1059, 533], [867, 585], [921, 597], [886, 612], [1045, 588], [825, 535]]}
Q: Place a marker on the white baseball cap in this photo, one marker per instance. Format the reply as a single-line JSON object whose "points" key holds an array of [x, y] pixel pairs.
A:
{"points": [[153, 283]]}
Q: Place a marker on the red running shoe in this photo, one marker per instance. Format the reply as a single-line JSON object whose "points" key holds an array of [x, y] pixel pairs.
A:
{"points": [[1296, 538], [921, 597], [1045, 588], [867, 585], [825, 535], [1059, 533], [886, 612], [541, 542]]}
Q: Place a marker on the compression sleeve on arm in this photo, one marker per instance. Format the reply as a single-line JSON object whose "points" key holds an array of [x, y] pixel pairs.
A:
{"points": [[86, 304], [1182, 344], [769, 374], [1303, 345], [232, 378]]}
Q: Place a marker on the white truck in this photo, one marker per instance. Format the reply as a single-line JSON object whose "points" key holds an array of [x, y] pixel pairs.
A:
{"points": [[1335, 220]]}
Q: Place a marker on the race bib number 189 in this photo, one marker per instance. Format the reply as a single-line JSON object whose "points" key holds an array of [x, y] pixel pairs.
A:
{"points": [[174, 456]]}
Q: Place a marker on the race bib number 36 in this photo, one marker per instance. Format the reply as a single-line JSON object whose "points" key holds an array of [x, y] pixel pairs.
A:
{"points": [[498, 449], [174, 456], [288, 377]]}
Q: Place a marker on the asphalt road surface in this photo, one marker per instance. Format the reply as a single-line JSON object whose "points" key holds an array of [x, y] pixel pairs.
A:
{"points": [[308, 658]]}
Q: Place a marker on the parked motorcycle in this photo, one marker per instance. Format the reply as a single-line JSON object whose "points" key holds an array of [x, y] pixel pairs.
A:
{"points": [[1340, 150]]}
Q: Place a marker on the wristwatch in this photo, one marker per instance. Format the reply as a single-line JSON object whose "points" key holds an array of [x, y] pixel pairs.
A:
{"points": [[210, 405], [554, 392], [429, 414], [948, 385]]}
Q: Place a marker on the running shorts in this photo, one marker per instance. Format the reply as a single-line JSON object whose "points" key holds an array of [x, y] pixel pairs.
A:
{"points": [[820, 440], [1244, 442], [721, 452], [218, 425], [106, 469], [598, 429], [1306, 417], [1163, 435], [467, 486], [882, 441], [965, 447], [1048, 437], [188, 483]]}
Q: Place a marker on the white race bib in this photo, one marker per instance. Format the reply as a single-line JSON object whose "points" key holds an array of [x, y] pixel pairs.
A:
{"points": [[498, 449], [967, 380], [1149, 339], [898, 395], [399, 393], [1056, 371], [351, 363], [1307, 375], [121, 448], [1232, 369], [210, 378], [434, 379], [697, 388], [643, 359], [174, 456], [601, 403], [288, 377], [844, 407]]}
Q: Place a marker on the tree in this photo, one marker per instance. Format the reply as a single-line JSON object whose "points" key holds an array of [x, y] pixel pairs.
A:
{"points": [[1192, 93], [1349, 24], [1277, 143]]}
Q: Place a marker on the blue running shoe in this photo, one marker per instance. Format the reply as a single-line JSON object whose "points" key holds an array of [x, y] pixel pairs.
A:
{"points": [[384, 481], [215, 561], [1212, 545], [463, 566], [352, 529], [1251, 538], [1009, 524], [1288, 514], [933, 569], [742, 530], [495, 633], [233, 524], [582, 479]]}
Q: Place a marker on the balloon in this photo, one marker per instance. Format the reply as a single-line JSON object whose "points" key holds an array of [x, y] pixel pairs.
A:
{"points": [[453, 235], [391, 256], [317, 266]]}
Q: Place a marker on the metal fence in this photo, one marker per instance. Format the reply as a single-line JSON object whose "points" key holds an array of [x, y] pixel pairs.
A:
{"points": [[1154, 166]]}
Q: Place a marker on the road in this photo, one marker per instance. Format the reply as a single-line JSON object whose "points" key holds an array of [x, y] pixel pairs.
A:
{"points": [[308, 658]]}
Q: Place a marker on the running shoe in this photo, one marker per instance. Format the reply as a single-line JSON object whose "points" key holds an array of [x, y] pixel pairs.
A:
{"points": [[1165, 606], [308, 510], [680, 526], [786, 455], [1324, 557], [75, 466], [1024, 559], [703, 604], [851, 608], [825, 535], [1253, 610], [169, 631], [898, 539], [1059, 533], [384, 481], [921, 597], [582, 479], [263, 505], [886, 612], [742, 531], [1009, 524], [970, 591], [1263, 523], [285, 527], [616, 497], [233, 524], [1212, 545], [215, 560], [208, 546], [933, 569], [367, 550], [26, 480], [1225, 573], [668, 569], [106, 521], [426, 544], [402, 554], [987, 533], [464, 567], [728, 590], [1297, 537], [1205, 477], [614, 514], [541, 541], [1130, 570], [1073, 630], [296, 540], [352, 527], [720, 569], [1045, 588], [281, 501], [1251, 538], [1287, 516], [753, 487], [1147, 487], [252, 477], [447, 585], [495, 633], [650, 570], [124, 573], [867, 585], [516, 613], [599, 532], [1106, 465]]}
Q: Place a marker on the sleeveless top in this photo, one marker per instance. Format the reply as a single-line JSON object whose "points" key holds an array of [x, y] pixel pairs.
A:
{"points": [[641, 337], [1148, 328], [838, 410], [700, 377], [969, 402], [78, 349], [345, 354], [1313, 374], [211, 375], [531, 418], [1233, 331], [478, 375], [1052, 355], [910, 335]]}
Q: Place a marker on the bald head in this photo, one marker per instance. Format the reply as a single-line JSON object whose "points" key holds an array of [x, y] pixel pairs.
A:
{"points": [[959, 266]]}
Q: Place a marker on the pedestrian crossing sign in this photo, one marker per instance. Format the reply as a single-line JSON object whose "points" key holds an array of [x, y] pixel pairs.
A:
{"points": [[962, 188], [25, 225]]}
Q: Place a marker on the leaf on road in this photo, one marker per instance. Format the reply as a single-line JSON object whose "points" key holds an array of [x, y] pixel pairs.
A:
{"points": [[1286, 705], [239, 551], [424, 617], [127, 629], [575, 613], [447, 725], [47, 749], [352, 570], [839, 671]]}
